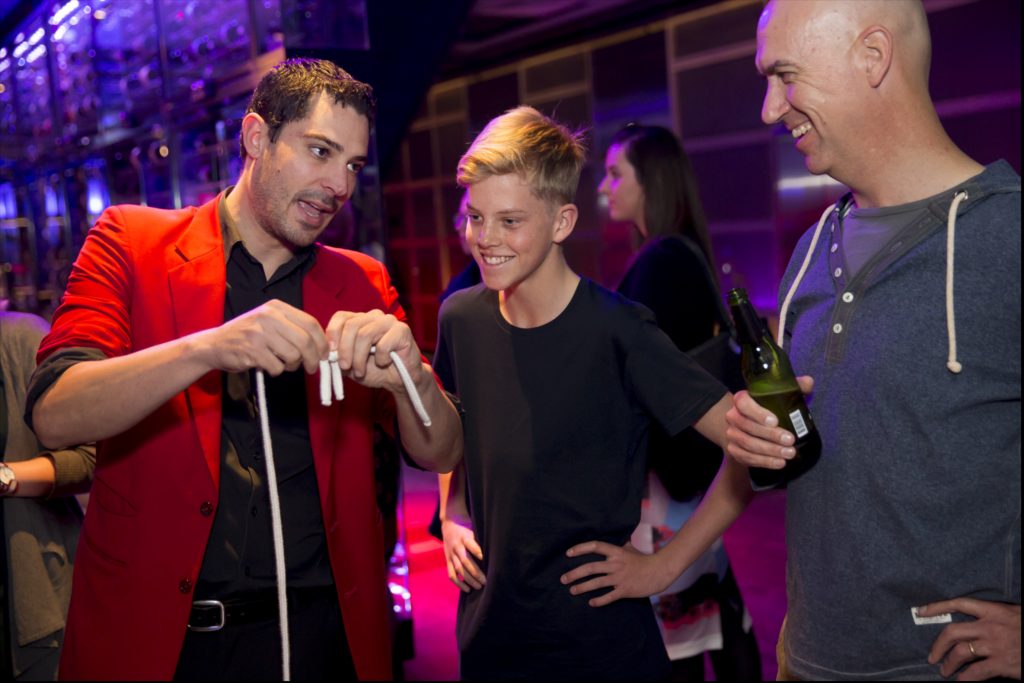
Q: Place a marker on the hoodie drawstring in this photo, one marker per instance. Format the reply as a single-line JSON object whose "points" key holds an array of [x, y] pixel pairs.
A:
{"points": [[952, 364], [800, 275]]}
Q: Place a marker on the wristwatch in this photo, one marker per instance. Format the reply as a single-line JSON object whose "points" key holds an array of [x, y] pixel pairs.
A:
{"points": [[8, 482]]}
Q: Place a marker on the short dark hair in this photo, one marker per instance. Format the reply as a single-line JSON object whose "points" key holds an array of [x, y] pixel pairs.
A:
{"points": [[671, 200], [285, 93]]}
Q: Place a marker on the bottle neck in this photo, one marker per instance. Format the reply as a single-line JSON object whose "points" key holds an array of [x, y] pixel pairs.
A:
{"points": [[748, 324]]}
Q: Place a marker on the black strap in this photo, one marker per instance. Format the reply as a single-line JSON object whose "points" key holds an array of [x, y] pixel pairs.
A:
{"points": [[724, 318]]}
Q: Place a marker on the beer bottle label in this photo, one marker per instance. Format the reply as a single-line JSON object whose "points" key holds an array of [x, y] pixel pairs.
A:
{"points": [[799, 426]]}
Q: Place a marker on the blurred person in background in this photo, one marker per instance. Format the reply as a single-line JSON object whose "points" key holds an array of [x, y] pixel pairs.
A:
{"points": [[40, 518], [650, 184]]}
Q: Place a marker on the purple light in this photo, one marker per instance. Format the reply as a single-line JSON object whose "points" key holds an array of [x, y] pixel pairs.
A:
{"points": [[37, 52], [62, 13]]}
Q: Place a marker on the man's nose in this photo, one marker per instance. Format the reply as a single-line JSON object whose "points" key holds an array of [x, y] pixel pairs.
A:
{"points": [[340, 183], [775, 104]]}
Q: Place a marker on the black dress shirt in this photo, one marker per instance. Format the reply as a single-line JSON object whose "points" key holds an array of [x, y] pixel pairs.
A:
{"points": [[239, 556]]}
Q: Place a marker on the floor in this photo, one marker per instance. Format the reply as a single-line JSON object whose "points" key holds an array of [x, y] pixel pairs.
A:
{"points": [[755, 543]]}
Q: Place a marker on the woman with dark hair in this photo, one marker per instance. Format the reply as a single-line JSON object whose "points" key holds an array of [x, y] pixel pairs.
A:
{"points": [[649, 182]]}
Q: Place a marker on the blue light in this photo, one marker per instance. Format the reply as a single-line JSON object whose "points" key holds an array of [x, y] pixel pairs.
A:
{"points": [[96, 199]]}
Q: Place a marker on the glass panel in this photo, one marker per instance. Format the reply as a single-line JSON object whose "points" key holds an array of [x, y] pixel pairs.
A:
{"points": [[71, 42], [204, 41], [269, 30], [126, 63], [314, 24], [32, 82]]}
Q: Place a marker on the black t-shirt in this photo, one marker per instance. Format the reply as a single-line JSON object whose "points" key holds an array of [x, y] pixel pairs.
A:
{"points": [[556, 421], [671, 277]]}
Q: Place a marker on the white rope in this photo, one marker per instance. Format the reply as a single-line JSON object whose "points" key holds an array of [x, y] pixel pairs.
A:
{"points": [[799, 276], [330, 378], [278, 532], [952, 364], [410, 388]]}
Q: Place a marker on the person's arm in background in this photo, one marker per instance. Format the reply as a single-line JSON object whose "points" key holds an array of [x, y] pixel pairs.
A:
{"points": [[37, 473], [460, 546], [53, 474], [632, 574]]}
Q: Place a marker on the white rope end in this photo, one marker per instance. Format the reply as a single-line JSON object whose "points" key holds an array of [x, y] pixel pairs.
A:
{"points": [[954, 367], [325, 383]]}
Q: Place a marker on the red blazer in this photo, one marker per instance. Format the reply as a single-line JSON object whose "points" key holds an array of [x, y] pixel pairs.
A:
{"points": [[147, 276]]}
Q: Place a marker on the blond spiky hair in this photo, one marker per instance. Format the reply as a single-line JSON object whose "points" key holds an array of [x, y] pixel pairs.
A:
{"points": [[524, 141]]}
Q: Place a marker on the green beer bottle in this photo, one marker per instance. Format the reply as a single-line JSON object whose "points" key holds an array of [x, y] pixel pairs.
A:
{"points": [[771, 382]]}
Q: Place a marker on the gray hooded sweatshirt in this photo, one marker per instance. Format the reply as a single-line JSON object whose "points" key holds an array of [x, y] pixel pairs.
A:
{"points": [[916, 497]]}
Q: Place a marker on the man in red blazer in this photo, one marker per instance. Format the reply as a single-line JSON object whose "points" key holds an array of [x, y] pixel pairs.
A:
{"points": [[151, 354]]}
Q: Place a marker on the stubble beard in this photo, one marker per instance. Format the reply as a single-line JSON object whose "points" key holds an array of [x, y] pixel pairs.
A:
{"points": [[270, 207]]}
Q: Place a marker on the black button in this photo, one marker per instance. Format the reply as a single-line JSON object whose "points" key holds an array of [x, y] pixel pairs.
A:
{"points": [[185, 585], [254, 511], [206, 509]]}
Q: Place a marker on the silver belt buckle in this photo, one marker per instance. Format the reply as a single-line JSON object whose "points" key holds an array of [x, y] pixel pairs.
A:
{"points": [[208, 603]]}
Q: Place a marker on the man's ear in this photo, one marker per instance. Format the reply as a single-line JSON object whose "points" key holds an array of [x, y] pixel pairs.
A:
{"points": [[255, 134], [565, 222], [874, 54]]}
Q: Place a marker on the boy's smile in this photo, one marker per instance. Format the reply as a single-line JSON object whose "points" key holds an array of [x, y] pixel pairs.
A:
{"points": [[511, 232]]}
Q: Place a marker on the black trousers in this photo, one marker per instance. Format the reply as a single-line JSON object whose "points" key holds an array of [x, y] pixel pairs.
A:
{"points": [[252, 652]]}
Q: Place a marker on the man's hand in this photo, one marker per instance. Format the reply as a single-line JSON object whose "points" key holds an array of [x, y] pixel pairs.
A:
{"points": [[274, 337], [754, 437], [627, 571], [989, 645], [352, 335], [460, 547]]}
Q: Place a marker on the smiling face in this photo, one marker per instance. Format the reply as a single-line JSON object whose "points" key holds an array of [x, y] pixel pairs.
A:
{"points": [[804, 53], [301, 180], [513, 234], [622, 188]]}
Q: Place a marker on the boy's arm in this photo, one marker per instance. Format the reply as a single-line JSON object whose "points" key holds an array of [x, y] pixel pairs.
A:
{"points": [[632, 574], [460, 544]]}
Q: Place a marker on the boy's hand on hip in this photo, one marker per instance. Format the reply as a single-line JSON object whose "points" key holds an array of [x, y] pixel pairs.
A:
{"points": [[628, 572]]}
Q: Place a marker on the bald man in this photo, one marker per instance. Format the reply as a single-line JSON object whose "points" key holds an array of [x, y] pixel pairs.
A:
{"points": [[903, 305]]}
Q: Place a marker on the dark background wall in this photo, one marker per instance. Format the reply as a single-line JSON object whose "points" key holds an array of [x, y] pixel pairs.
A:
{"points": [[140, 101], [693, 72]]}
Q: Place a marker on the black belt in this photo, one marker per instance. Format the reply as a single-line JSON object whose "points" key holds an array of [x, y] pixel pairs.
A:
{"points": [[216, 614]]}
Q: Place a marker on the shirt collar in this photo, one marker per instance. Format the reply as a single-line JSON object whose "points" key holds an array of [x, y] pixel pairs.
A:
{"points": [[229, 233]]}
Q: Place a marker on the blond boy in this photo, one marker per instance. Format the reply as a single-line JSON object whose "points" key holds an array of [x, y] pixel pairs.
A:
{"points": [[559, 381]]}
